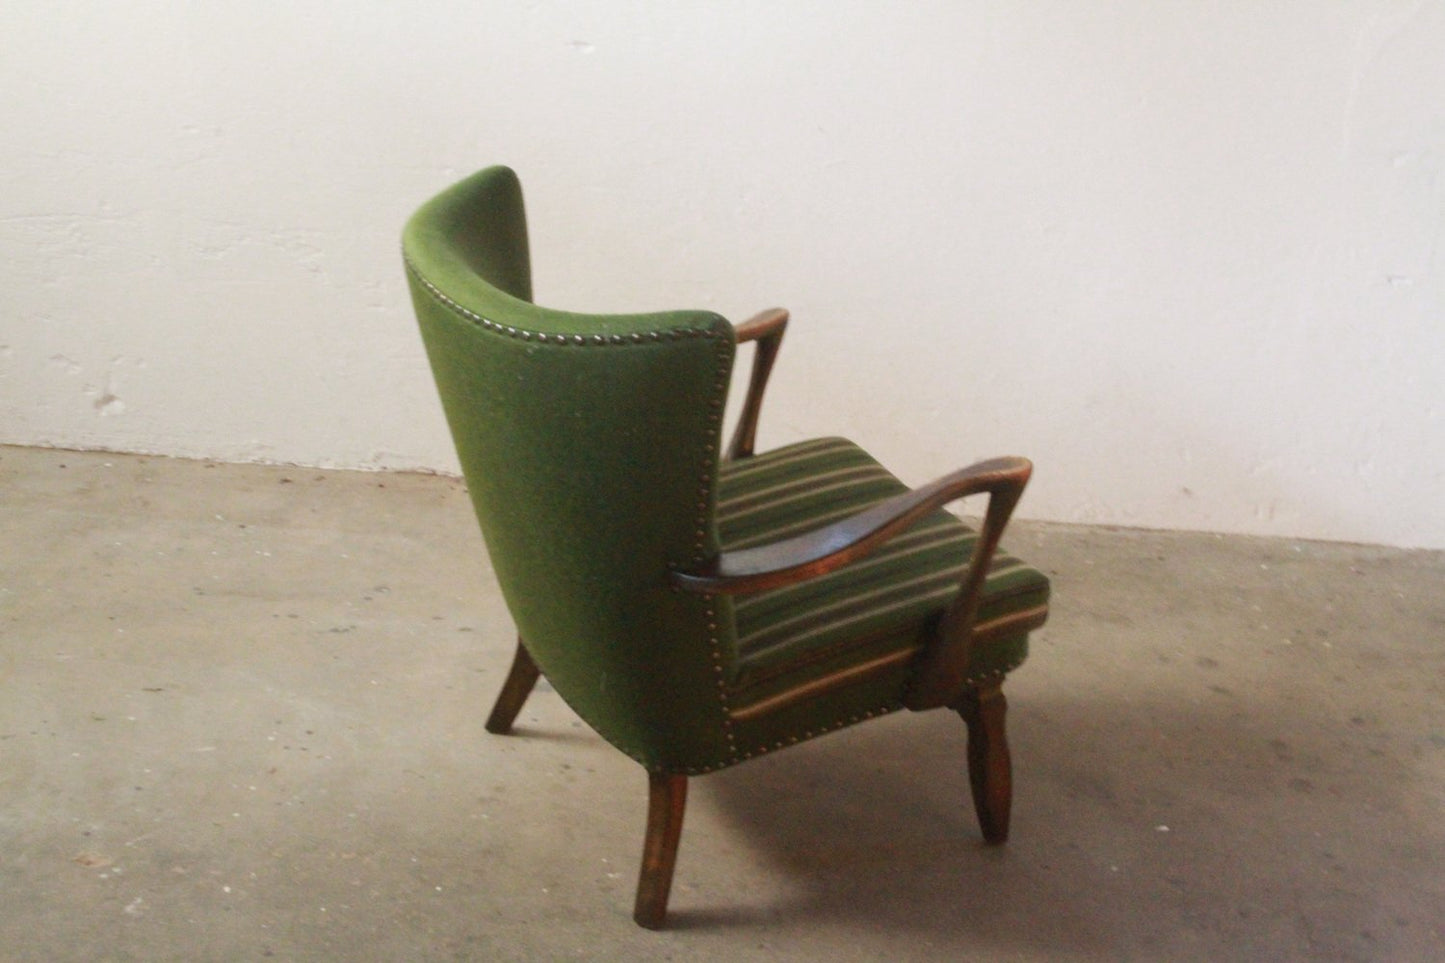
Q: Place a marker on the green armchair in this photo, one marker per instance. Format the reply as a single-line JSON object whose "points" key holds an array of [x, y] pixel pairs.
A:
{"points": [[699, 605]]}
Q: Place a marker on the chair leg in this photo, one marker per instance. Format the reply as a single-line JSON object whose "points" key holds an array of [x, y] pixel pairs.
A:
{"points": [[990, 772], [667, 798], [515, 690]]}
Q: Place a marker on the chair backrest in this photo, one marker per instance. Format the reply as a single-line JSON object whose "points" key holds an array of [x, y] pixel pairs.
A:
{"points": [[590, 445]]}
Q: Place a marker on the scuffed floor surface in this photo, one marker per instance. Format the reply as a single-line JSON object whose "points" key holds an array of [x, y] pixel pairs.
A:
{"points": [[241, 717]]}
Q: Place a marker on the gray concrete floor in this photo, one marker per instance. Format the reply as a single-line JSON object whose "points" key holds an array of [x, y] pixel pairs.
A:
{"points": [[241, 717]]}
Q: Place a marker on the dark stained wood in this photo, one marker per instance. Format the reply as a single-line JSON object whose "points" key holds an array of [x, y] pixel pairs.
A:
{"points": [[944, 666], [990, 771], [520, 680], [766, 328], [666, 801], [833, 546], [764, 324]]}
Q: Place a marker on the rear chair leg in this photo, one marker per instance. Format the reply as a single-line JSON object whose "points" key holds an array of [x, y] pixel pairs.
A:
{"points": [[666, 800], [990, 773], [515, 690]]}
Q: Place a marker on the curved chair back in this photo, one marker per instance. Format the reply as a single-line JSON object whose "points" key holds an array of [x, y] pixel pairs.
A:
{"points": [[590, 445]]}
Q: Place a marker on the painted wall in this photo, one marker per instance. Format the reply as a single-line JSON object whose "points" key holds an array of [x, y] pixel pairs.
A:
{"points": [[1185, 255]]}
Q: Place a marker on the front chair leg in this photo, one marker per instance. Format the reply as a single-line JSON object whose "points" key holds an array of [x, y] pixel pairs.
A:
{"points": [[515, 690], [990, 773], [666, 800]]}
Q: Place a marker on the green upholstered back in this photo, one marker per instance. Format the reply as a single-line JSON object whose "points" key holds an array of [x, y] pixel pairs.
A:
{"points": [[590, 445]]}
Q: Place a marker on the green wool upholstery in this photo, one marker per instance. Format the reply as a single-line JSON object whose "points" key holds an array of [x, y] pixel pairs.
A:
{"points": [[871, 617], [589, 445], [591, 449]]}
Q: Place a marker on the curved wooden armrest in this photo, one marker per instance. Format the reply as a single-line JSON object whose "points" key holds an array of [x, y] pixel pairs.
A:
{"points": [[762, 324], [766, 328], [940, 676], [825, 549]]}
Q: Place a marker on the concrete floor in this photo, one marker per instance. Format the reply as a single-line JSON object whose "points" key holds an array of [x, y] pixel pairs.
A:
{"points": [[241, 717]]}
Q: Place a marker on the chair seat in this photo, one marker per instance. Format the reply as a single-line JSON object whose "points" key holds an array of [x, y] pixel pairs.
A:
{"points": [[877, 611]]}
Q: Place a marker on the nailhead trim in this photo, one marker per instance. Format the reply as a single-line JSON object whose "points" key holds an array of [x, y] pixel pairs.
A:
{"points": [[766, 748], [708, 479], [707, 463], [840, 723], [572, 340], [995, 674]]}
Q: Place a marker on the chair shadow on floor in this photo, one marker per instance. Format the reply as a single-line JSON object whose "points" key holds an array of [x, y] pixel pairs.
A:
{"points": [[1150, 828]]}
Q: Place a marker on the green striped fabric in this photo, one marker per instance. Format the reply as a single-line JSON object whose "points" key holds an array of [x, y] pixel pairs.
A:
{"points": [[886, 602]]}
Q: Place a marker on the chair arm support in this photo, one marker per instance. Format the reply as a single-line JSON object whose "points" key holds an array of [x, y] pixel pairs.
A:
{"points": [[766, 328], [941, 676], [823, 550]]}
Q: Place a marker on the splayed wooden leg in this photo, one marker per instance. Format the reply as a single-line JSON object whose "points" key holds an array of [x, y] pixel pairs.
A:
{"points": [[667, 798], [515, 690]]}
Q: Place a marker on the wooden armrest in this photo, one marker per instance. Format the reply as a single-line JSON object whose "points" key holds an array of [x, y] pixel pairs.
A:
{"points": [[766, 328], [762, 324], [941, 673], [941, 676], [823, 550]]}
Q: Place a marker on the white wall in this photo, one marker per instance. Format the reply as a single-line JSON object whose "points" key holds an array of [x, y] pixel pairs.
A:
{"points": [[1185, 255]]}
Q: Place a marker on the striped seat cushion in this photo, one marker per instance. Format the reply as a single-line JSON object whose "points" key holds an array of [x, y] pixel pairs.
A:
{"points": [[878, 610]]}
